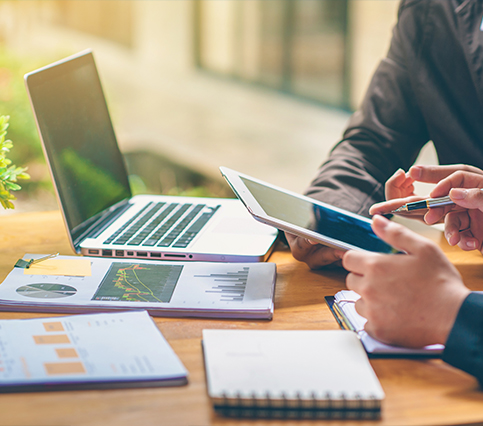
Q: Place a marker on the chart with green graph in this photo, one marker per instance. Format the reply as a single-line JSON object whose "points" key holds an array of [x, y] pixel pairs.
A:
{"points": [[128, 282]]}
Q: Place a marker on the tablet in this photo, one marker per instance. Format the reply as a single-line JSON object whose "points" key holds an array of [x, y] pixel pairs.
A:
{"points": [[304, 216]]}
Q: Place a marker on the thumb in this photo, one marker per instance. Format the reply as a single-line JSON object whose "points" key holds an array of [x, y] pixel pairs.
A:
{"points": [[397, 235], [467, 198]]}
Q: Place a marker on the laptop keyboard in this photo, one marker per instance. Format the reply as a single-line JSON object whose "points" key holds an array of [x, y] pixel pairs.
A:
{"points": [[163, 225]]}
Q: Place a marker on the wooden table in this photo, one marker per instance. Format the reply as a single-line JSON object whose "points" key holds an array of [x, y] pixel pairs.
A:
{"points": [[418, 392]]}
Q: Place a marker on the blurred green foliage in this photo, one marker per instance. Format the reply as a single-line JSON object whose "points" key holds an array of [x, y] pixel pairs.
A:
{"points": [[14, 103], [9, 173]]}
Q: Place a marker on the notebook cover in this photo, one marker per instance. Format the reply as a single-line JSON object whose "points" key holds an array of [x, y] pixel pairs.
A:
{"points": [[288, 373]]}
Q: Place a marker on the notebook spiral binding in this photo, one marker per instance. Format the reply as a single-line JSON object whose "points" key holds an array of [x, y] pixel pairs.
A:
{"points": [[283, 406]]}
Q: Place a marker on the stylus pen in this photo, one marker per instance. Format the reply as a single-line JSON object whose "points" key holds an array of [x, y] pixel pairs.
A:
{"points": [[425, 204]]}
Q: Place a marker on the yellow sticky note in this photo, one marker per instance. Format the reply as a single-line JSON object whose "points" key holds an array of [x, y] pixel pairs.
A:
{"points": [[66, 267]]}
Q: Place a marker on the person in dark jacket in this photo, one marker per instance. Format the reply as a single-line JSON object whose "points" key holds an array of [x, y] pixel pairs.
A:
{"points": [[428, 88]]}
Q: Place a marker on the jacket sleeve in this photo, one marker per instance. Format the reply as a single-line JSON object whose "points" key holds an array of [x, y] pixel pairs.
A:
{"points": [[464, 347], [385, 134]]}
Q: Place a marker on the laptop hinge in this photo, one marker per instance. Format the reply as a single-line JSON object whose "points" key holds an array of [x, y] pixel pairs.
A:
{"points": [[105, 220]]}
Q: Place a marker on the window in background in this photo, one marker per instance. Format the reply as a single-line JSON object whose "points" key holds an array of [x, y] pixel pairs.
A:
{"points": [[298, 47], [111, 20]]}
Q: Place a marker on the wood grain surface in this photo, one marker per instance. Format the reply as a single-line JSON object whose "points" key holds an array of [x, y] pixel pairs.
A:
{"points": [[418, 391]]}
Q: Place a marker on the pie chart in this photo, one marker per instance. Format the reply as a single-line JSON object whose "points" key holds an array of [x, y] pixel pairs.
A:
{"points": [[46, 291]]}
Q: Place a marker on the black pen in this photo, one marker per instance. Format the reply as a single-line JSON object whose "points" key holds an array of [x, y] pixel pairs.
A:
{"points": [[425, 204]]}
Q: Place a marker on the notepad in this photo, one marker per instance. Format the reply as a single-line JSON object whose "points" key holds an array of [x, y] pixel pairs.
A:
{"points": [[343, 308], [70, 267], [290, 374]]}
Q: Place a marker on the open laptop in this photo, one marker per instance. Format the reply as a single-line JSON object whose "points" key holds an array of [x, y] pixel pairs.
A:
{"points": [[90, 178]]}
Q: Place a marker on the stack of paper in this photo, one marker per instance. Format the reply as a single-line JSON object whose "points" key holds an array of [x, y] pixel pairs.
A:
{"points": [[86, 351]]}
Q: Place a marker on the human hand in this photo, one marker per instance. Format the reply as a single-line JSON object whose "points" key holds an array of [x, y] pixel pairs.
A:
{"points": [[315, 255], [463, 225], [399, 189], [408, 299]]}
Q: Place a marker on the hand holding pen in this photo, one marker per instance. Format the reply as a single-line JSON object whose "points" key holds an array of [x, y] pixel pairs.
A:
{"points": [[464, 225], [461, 209], [399, 188], [463, 184]]}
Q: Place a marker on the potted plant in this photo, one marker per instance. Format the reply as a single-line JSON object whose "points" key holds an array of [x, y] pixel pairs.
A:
{"points": [[9, 174]]}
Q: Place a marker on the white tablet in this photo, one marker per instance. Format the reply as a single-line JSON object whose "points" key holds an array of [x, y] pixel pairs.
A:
{"points": [[304, 216]]}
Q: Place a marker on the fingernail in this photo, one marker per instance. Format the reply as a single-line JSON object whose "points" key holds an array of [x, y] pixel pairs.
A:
{"points": [[458, 194], [471, 245], [448, 236], [416, 172]]}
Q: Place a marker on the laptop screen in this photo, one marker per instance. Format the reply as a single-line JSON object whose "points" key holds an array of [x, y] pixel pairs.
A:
{"points": [[78, 138]]}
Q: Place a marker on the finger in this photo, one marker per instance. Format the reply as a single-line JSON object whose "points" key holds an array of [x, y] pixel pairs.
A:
{"points": [[397, 235], [354, 282], [408, 185], [299, 244], [467, 241], [468, 198], [458, 179], [433, 174], [321, 256], [355, 261], [391, 205], [361, 307], [454, 222], [436, 214], [396, 180]]}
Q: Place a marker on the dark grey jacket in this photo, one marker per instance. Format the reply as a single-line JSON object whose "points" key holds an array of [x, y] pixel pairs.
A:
{"points": [[430, 87]]}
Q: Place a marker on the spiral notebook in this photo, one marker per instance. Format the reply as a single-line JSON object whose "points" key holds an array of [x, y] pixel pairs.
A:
{"points": [[290, 374], [342, 306]]}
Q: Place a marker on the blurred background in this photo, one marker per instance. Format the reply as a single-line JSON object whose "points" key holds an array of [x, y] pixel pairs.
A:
{"points": [[262, 86]]}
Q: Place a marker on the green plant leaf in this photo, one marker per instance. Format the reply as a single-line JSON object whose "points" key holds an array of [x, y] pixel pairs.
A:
{"points": [[8, 173]]}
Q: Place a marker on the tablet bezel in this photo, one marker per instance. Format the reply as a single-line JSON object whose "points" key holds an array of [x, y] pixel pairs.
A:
{"points": [[243, 193]]}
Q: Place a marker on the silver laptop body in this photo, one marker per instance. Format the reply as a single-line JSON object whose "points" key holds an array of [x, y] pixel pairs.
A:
{"points": [[90, 178]]}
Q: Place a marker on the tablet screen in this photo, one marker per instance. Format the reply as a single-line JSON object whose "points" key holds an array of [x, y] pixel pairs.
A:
{"points": [[325, 220]]}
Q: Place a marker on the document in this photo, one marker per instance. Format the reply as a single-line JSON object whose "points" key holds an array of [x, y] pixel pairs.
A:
{"points": [[185, 289], [86, 351], [343, 308]]}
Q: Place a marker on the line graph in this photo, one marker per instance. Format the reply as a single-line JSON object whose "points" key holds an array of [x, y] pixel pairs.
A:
{"points": [[128, 282]]}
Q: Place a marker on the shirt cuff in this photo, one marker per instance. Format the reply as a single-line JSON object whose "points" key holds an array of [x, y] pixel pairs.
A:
{"points": [[464, 347]]}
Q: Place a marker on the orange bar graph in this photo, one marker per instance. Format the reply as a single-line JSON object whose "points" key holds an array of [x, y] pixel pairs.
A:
{"points": [[53, 326], [59, 368], [67, 353], [51, 339]]}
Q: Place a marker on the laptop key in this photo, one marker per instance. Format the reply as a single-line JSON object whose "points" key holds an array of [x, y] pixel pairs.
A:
{"points": [[194, 229], [181, 226], [126, 236], [139, 238], [126, 225]]}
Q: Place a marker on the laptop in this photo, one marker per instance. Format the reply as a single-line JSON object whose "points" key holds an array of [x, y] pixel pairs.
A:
{"points": [[101, 215]]}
